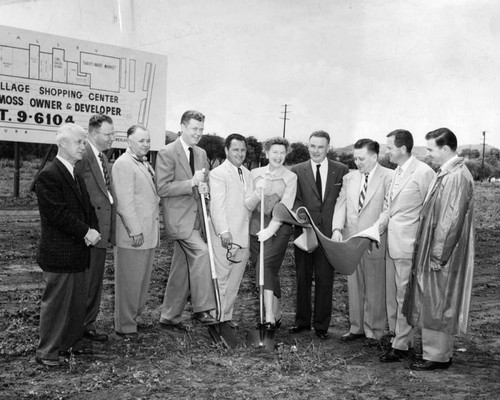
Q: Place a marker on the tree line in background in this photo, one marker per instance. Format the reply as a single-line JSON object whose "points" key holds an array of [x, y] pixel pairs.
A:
{"points": [[213, 144]]}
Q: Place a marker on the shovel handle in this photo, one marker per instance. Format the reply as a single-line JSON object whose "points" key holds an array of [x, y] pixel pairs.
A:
{"points": [[261, 261], [218, 307]]}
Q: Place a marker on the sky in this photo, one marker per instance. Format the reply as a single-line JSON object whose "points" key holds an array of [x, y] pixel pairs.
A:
{"points": [[355, 68]]}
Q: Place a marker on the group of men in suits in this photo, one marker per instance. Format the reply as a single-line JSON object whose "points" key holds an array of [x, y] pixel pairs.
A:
{"points": [[182, 181], [78, 208], [419, 279], [79, 198]]}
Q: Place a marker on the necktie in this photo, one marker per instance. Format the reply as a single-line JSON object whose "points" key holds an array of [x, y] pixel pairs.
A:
{"points": [[362, 195], [150, 169], [240, 173], [147, 165], [318, 181], [191, 160], [105, 171], [77, 184], [397, 181]]}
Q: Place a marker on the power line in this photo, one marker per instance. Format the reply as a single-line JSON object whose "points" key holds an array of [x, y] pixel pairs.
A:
{"points": [[284, 118], [482, 164]]}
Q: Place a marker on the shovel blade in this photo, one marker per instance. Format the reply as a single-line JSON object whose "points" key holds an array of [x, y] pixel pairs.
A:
{"points": [[261, 338], [228, 335], [214, 332]]}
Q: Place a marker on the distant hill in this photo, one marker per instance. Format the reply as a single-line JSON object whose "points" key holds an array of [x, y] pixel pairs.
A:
{"points": [[421, 151]]}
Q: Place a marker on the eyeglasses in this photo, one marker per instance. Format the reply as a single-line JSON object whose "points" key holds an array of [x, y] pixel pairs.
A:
{"points": [[232, 248]]}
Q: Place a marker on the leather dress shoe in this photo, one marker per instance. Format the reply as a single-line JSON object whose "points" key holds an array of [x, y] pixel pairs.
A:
{"points": [[204, 318], [299, 328], [322, 334], [394, 355], [48, 363], [127, 336], [371, 343], [426, 365], [350, 337], [416, 355], [96, 337], [180, 326], [386, 341]]}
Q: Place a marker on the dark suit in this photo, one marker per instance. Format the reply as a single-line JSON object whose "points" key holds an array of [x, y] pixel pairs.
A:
{"points": [[66, 215], [90, 170], [315, 263], [182, 216]]}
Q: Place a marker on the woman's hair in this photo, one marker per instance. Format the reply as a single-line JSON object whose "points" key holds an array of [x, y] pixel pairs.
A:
{"points": [[276, 140]]}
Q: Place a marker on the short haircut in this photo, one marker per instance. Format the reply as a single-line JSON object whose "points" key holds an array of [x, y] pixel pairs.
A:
{"points": [[234, 136], [65, 130], [96, 121], [276, 140], [443, 137], [402, 137], [133, 129], [371, 145], [192, 114], [320, 134]]}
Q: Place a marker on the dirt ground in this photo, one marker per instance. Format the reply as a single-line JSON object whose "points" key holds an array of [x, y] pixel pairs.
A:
{"points": [[163, 364]]}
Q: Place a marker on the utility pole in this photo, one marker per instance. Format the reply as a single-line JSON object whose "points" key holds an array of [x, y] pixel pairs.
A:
{"points": [[482, 164], [284, 118]]}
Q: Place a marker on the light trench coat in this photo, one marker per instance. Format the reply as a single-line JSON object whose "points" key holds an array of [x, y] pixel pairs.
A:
{"points": [[438, 294]]}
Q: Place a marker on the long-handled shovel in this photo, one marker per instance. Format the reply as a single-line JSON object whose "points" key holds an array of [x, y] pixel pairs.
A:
{"points": [[261, 337], [218, 331]]}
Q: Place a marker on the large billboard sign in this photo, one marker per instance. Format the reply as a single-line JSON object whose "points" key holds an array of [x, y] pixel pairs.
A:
{"points": [[47, 80]]}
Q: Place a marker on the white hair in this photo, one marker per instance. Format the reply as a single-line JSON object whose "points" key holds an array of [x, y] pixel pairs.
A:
{"points": [[66, 130]]}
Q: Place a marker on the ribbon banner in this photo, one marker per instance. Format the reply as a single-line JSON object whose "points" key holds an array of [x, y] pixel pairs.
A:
{"points": [[343, 256]]}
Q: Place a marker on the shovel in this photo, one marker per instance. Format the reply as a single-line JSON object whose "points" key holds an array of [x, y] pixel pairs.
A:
{"points": [[261, 337], [221, 332]]}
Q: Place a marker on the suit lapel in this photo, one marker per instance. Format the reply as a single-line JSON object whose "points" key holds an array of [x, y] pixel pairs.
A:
{"points": [[96, 171], [330, 178], [309, 176], [181, 155], [373, 185], [69, 179], [354, 189], [404, 178], [198, 159], [235, 178], [144, 170]]}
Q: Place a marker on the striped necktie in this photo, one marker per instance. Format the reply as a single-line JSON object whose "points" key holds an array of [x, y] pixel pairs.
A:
{"points": [[362, 195], [105, 172]]}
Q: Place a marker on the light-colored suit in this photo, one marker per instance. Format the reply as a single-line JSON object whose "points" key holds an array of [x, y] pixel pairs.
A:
{"points": [[88, 167], [366, 286], [138, 211], [405, 203], [183, 219], [229, 213]]}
